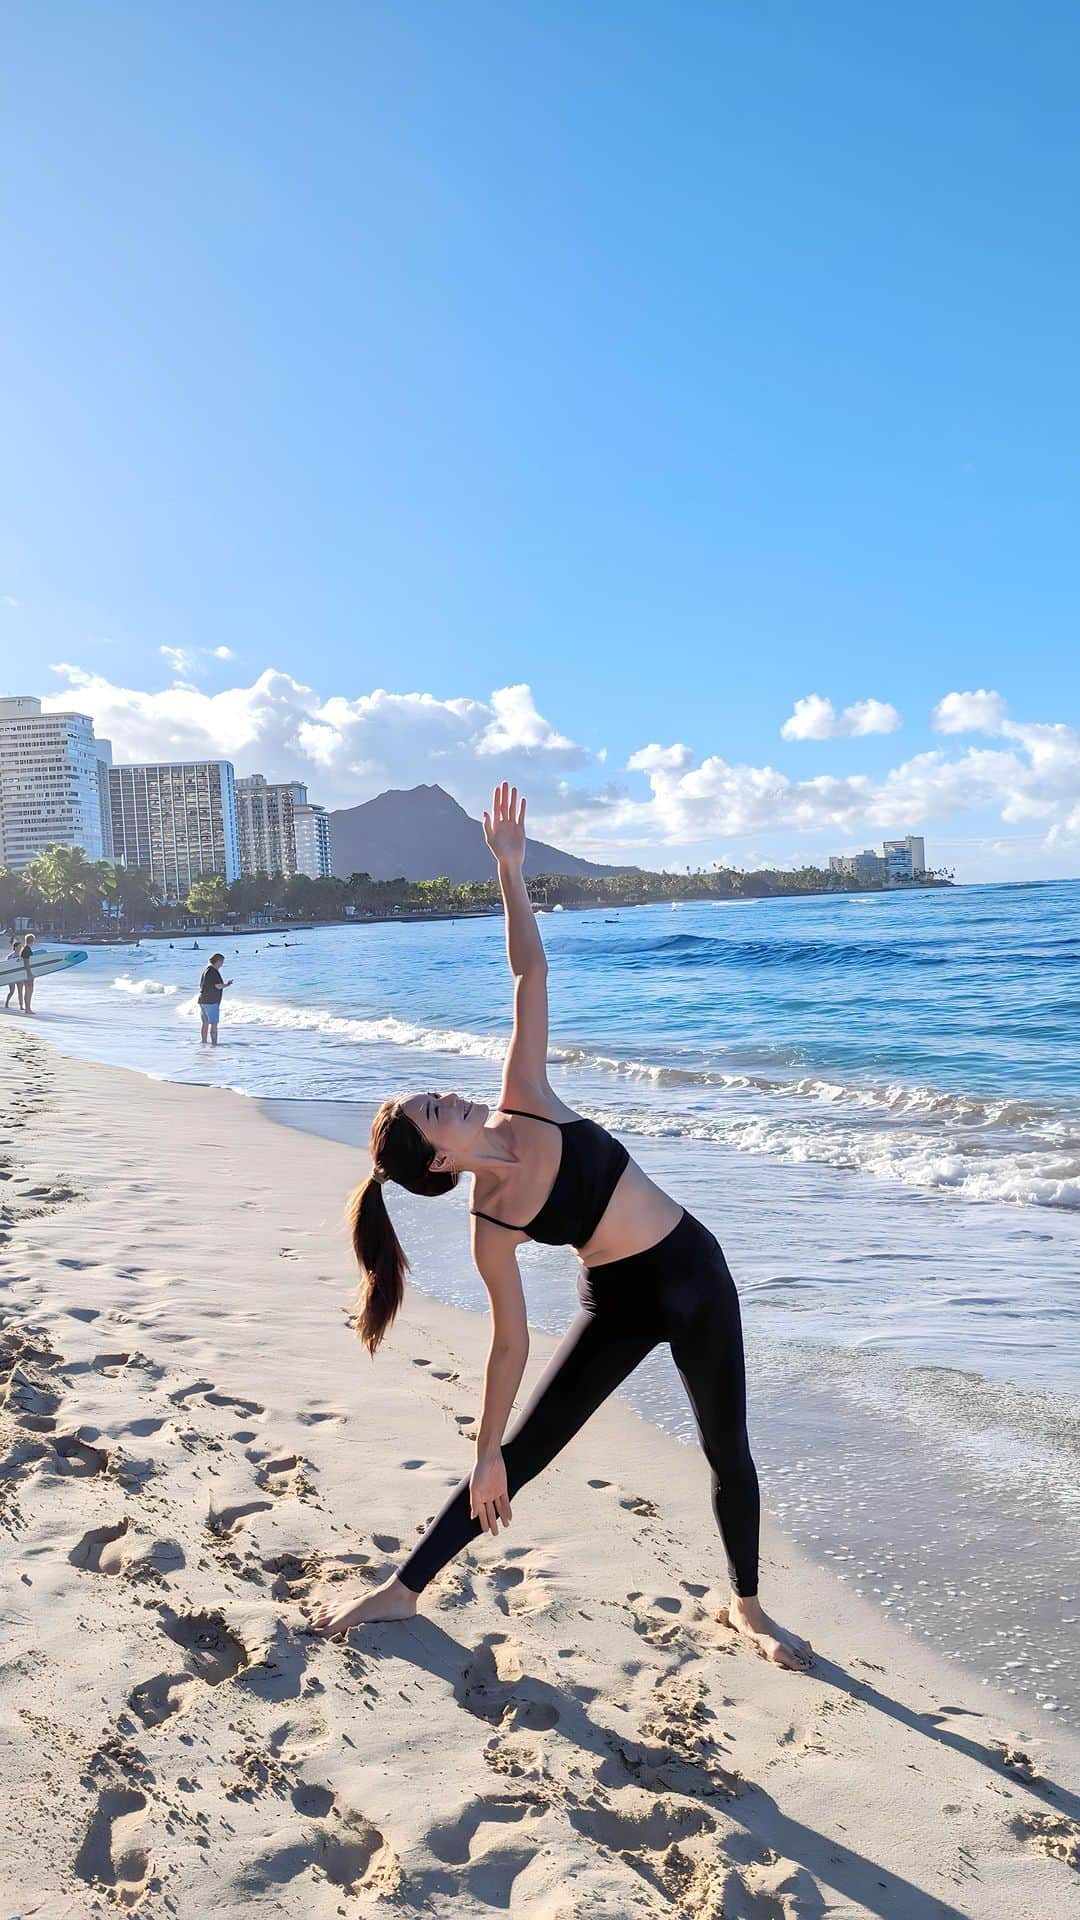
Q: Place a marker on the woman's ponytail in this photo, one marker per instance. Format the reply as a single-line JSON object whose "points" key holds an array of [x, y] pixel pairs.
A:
{"points": [[381, 1260], [399, 1152]]}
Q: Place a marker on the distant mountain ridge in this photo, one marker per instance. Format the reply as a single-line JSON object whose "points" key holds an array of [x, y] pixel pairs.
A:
{"points": [[418, 833]]}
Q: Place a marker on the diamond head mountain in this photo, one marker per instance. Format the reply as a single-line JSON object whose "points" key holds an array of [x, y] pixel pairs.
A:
{"points": [[418, 833]]}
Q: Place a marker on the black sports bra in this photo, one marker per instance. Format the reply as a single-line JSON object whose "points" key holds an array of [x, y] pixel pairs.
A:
{"points": [[589, 1171]]}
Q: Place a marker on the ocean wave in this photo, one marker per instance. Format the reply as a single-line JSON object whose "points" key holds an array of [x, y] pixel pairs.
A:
{"points": [[382, 1027], [1054, 1125], [967, 1171], [701, 949], [125, 984]]}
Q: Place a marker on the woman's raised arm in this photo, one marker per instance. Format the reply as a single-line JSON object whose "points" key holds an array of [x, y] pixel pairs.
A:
{"points": [[526, 1059]]}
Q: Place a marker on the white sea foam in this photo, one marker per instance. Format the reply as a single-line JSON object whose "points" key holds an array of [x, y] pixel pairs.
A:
{"points": [[385, 1028], [968, 1170], [959, 1110], [973, 1148], [125, 984]]}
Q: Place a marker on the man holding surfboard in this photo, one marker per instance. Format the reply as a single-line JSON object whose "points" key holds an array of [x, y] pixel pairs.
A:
{"points": [[20, 969]]}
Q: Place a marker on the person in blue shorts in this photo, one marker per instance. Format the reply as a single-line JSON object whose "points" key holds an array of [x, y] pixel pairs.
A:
{"points": [[211, 988]]}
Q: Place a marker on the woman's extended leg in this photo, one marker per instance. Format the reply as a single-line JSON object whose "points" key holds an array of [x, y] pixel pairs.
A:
{"points": [[594, 1357], [705, 1331]]}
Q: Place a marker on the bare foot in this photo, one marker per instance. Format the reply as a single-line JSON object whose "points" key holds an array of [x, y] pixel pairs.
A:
{"points": [[772, 1641], [389, 1602]]}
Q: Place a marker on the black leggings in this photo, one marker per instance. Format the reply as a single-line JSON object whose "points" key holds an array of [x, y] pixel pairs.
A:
{"points": [[679, 1291]]}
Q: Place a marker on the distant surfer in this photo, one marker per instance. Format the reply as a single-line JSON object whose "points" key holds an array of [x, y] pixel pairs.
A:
{"points": [[211, 988]]}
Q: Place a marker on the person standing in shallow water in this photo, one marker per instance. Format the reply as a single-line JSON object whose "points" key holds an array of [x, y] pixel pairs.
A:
{"points": [[650, 1274], [211, 988]]}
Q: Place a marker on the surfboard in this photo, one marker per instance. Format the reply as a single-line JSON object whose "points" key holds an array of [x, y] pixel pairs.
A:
{"points": [[12, 968]]}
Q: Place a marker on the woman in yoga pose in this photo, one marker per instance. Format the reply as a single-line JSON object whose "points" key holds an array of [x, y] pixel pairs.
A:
{"points": [[649, 1273]]}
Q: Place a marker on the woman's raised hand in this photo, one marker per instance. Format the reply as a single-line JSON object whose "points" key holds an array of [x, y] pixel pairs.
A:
{"points": [[504, 826]]}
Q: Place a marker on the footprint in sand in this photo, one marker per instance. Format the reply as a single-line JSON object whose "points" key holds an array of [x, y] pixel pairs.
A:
{"points": [[294, 1575], [157, 1699], [319, 1416], [494, 1687], [386, 1542], [114, 1363], [225, 1521], [213, 1653], [100, 1551], [206, 1390], [659, 1617], [518, 1589], [346, 1850], [1050, 1833], [114, 1854], [461, 1840], [636, 1503], [646, 1825], [280, 1474], [31, 1403], [76, 1458]]}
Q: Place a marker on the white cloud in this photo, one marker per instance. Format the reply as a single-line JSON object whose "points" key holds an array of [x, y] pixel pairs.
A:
{"points": [[186, 663], [518, 725], [347, 749], [10, 600], [980, 712], [668, 797], [182, 661], [815, 718]]}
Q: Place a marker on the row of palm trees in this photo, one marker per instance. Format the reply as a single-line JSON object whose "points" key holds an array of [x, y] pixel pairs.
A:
{"points": [[64, 892]]}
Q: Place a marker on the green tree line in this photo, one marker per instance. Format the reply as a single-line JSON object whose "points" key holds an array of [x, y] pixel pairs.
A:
{"points": [[64, 892]]}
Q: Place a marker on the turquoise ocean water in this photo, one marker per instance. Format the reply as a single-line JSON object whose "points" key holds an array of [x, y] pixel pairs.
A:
{"points": [[873, 1100]]}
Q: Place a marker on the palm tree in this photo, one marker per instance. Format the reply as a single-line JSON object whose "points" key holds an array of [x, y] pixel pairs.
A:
{"points": [[65, 879], [137, 895]]}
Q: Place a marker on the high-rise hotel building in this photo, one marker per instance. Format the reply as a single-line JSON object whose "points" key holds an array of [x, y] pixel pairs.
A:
{"points": [[265, 816], [53, 783], [314, 855], [176, 820], [281, 831]]}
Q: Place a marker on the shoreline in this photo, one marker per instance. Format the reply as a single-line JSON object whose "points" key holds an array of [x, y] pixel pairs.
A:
{"points": [[568, 1680], [495, 912]]}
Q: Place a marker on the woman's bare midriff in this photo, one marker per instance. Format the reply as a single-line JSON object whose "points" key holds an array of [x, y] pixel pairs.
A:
{"points": [[638, 1214]]}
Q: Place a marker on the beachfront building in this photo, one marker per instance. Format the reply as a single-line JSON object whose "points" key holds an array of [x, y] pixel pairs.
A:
{"points": [[910, 851], [866, 865], [52, 787], [176, 820], [899, 860], [313, 850], [264, 812]]}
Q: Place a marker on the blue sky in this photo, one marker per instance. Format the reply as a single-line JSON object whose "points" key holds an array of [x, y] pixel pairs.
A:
{"points": [[674, 363]]}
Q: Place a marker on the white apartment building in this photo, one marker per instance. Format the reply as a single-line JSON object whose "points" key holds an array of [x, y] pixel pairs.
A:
{"points": [[914, 846], [176, 820], [265, 820], [51, 783], [311, 825]]}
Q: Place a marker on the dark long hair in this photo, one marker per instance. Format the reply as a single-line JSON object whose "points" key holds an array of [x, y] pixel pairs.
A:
{"points": [[399, 1152]]}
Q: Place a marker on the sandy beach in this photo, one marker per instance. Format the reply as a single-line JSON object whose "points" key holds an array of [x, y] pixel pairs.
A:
{"points": [[194, 1447]]}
